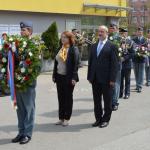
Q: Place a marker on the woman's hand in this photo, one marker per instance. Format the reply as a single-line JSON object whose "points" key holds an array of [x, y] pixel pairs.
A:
{"points": [[73, 82]]}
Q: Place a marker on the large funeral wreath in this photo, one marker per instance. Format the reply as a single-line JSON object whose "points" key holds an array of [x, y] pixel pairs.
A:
{"points": [[27, 61]]}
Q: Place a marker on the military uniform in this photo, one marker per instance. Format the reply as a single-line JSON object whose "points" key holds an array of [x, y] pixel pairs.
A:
{"points": [[116, 89], [79, 43], [26, 107], [128, 53], [0, 71], [147, 67], [139, 62]]}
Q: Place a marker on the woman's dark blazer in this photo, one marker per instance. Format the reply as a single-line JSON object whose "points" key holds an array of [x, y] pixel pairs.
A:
{"points": [[72, 64]]}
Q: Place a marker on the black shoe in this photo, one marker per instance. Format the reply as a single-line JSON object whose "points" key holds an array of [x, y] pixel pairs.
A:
{"points": [[17, 139], [136, 89], [126, 97], [104, 124], [147, 84], [96, 124], [25, 140], [120, 96], [115, 108]]}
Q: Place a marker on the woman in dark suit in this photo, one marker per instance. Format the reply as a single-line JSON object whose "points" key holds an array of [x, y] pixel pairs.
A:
{"points": [[65, 75]]}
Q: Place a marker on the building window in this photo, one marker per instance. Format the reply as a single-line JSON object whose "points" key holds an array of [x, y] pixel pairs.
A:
{"points": [[72, 24], [142, 20], [14, 29], [134, 20], [134, 9], [146, 19], [90, 24], [9, 29], [93, 21], [4, 29], [143, 8]]}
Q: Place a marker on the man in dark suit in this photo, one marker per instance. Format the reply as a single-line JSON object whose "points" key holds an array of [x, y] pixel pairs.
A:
{"points": [[102, 72], [139, 61]]}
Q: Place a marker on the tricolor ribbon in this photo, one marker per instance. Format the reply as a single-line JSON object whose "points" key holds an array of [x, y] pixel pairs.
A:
{"points": [[10, 74]]}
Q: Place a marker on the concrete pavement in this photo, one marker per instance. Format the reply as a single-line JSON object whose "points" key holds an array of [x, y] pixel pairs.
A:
{"points": [[129, 128]]}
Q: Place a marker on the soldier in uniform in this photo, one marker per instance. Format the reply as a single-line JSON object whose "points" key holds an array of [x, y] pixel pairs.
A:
{"points": [[25, 100], [116, 89], [126, 58], [1, 43], [139, 61], [79, 42], [113, 31], [147, 68]]}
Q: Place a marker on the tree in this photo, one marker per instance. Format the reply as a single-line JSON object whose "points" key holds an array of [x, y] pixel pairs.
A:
{"points": [[51, 39]]}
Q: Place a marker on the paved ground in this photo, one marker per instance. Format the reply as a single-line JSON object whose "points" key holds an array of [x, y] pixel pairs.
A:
{"points": [[129, 128]]}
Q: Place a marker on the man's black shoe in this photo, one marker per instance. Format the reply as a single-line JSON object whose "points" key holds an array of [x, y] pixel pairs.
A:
{"points": [[96, 124], [126, 97], [104, 124], [120, 96], [17, 139], [147, 84], [136, 89], [25, 140]]}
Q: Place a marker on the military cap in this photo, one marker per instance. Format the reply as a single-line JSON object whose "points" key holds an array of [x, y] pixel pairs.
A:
{"points": [[123, 30], [112, 25], [26, 24], [74, 30], [140, 29]]}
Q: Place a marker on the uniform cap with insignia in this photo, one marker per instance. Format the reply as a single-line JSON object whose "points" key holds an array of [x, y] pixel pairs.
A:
{"points": [[140, 29], [123, 30], [26, 24], [112, 25]]}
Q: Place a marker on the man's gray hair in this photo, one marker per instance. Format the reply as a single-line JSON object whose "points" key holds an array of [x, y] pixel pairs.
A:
{"points": [[104, 27]]}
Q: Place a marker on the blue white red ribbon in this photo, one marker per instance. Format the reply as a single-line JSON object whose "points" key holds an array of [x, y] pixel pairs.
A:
{"points": [[10, 73]]}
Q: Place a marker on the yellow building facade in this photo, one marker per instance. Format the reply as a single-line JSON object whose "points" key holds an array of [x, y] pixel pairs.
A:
{"points": [[68, 14], [64, 6]]}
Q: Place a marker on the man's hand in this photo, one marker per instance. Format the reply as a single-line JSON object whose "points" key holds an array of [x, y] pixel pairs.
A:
{"points": [[112, 84], [73, 82]]}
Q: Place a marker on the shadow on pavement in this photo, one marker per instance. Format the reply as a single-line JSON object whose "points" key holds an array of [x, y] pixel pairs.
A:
{"points": [[83, 100], [48, 127], [76, 112], [54, 128], [5, 141]]}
